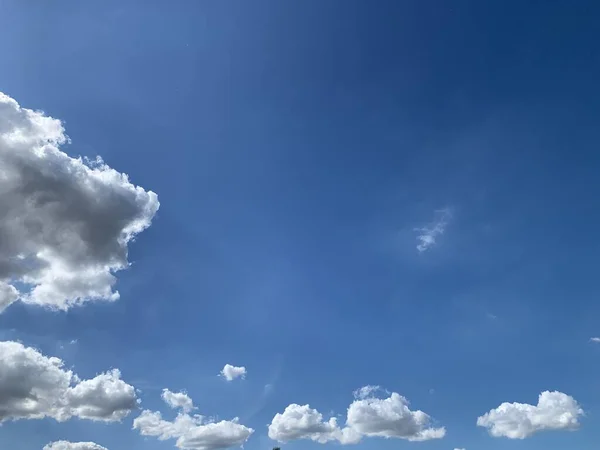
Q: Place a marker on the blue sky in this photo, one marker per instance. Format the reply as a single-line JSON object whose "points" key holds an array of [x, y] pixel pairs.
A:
{"points": [[298, 151]]}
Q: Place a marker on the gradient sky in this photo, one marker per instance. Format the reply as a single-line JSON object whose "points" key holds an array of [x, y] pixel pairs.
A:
{"points": [[299, 149]]}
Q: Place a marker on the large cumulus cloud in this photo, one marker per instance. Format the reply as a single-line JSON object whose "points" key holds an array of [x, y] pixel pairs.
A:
{"points": [[65, 223]]}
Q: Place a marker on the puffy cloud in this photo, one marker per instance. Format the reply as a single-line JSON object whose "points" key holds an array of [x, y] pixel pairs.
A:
{"points": [[105, 397], [304, 422], [178, 400], [64, 445], [366, 416], [391, 418], [34, 386], [554, 411], [230, 372], [193, 432], [596, 340], [65, 223], [428, 234]]}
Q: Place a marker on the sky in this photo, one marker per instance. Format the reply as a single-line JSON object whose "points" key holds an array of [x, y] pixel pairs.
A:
{"points": [[307, 224]]}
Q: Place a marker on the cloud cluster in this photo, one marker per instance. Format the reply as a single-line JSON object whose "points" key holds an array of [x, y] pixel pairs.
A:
{"points": [[65, 445], [34, 386], [230, 372], [192, 432], [367, 416], [428, 234], [65, 223], [554, 411]]}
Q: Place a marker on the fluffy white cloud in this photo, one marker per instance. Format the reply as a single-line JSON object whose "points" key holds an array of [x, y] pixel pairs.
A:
{"points": [[65, 223], [459, 449], [391, 418], [193, 432], [64, 445], [178, 400], [366, 416], [594, 339], [304, 422], [34, 386], [230, 372], [428, 234], [554, 411]]}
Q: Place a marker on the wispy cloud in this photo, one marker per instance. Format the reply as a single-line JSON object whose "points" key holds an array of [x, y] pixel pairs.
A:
{"points": [[595, 339], [428, 234]]}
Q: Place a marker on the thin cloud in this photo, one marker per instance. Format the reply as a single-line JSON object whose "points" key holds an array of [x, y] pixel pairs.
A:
{"points": [[429, 234], [595, 340]]}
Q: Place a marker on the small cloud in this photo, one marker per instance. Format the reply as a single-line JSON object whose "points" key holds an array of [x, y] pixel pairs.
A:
{"points": [[178, 400], [365, 391], [595, 340], [491, 316], [431, 391], [73, 342], [230, 372], [428, 234], [460, 449]]}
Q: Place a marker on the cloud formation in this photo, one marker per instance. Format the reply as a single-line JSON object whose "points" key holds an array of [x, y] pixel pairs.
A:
{"points": [[230, 372], [554, 411], [428, 234], [367, 416], [595, 340], [192, 432], [34, 386], [64, 445], [65, 223], [178, 400]]}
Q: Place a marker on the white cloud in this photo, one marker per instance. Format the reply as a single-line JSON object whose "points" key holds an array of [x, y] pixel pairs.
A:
{"points": [[460, 449], [65, 223], [230, 372], [303, 422], [366, 416], [193, 432], [64, 445], [594, 339], [177, 400], [554, 411], [391, 418], [365, 391], [428, 234], [34, 386], [8, 295]]}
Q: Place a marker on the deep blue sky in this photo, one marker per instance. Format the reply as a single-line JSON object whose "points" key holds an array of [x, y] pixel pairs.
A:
{"points": [[295, 146]]}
